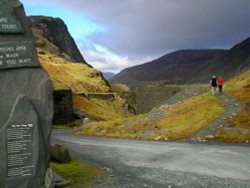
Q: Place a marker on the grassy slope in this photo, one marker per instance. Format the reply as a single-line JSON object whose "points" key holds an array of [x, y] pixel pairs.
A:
{"points": [[178, 121], [125, 92], [101, 110], [77, 76], [238, 87], [82, 79]]}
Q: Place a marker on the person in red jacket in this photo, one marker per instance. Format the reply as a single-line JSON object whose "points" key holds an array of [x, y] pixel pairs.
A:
{"points": [[220, 83]]}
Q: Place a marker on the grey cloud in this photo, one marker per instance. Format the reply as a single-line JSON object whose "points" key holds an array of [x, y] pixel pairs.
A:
{"points": [[150, 27]]}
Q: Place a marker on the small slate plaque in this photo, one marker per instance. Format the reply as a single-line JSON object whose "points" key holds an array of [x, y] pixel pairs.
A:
{"points": [[8, 20], [20, 156], [20, 141], [14, 55]]}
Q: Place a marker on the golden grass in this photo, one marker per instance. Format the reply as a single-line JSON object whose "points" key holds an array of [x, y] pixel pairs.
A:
{"points": [[99, 112], [189, 116], [238, 87], [81, 78], [231, 136], [78, 76], [183, 120], [120, 88]]}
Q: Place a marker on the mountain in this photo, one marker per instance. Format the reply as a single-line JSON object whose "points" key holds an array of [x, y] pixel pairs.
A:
{"points": [[234, 62], [188, 67], [108, 75], [56, 32]]}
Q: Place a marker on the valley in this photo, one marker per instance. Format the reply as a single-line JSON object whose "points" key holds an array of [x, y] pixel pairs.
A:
{"points": [[164, 110], [130, 94]]}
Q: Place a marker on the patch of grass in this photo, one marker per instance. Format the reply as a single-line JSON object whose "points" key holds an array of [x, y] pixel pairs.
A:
{"points": [[126, 93], [67, 126], [239, 87], [120, 88], [103, 128], [231, 136], [100, 113], [78, 76], [79, 173]]}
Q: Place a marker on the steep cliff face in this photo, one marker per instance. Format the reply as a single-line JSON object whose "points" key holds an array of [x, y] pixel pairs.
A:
{"points": [[56, 32]]}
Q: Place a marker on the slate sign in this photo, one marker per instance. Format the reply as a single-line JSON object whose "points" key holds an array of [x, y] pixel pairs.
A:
{"points": [[26, 106], [20, 156], [8, 20], [13, 55], [20, 141]]}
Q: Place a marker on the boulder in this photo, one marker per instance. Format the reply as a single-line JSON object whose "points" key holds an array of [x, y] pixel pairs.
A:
{"points": [[59, 153], [149, 130]]}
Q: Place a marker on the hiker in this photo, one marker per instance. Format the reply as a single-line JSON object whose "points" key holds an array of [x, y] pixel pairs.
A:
{"points": [[220, 83], [213, 83]]}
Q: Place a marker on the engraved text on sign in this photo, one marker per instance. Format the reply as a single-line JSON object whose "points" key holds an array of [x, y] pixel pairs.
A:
{"points": [[13, 55], [20, 160], [8, 20]]}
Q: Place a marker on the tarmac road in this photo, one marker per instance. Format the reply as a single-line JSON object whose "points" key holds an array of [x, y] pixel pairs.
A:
{"points": [[158, 164]]}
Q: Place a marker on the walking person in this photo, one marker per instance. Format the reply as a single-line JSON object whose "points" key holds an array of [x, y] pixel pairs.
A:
{"points": [[213, 83], [220, 83]]}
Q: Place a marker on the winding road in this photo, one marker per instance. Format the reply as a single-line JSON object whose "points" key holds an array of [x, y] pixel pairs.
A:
{"points": [[159, 164]]}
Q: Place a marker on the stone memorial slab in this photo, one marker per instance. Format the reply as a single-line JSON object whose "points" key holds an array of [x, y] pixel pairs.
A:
{"points": [[13, 55], [19, 141], [8, 20], [26, 103]]}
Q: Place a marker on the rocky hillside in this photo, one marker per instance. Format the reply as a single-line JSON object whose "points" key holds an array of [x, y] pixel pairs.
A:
{"points": [[188, 67], [56, 32], [68, 71], [182, 119]]}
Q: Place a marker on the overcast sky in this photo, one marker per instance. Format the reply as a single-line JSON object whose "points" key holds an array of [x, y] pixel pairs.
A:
{"points": [[115, 34]]}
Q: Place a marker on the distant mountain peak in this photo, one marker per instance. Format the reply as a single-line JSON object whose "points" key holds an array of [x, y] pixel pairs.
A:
{"points": [[108, 75]]}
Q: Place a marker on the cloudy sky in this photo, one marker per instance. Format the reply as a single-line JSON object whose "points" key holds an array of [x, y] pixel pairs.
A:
{"points": [[115, 34]]}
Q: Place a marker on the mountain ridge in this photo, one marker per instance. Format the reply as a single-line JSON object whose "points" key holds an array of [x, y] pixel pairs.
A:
{"points": [[188, 66]]}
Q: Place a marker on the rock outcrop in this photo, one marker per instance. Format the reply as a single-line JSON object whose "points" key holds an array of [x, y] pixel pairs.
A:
{"points": [[56, 32], [26, 106]]}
